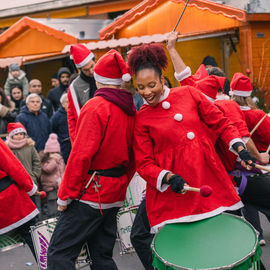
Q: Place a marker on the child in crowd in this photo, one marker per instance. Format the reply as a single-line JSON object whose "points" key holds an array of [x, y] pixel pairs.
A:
{"points": [[23, 148], [16, 77], [52, 171]]}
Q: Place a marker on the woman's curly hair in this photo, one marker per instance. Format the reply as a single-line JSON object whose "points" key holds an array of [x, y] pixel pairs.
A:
{"points": [[148, 56]]}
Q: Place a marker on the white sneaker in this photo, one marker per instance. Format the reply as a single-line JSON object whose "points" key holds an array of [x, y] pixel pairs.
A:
{"points": [[262, 242]]}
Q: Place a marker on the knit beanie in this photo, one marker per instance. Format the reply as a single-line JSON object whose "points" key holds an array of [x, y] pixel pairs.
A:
{"points": [[14, 67], [52, 144]]}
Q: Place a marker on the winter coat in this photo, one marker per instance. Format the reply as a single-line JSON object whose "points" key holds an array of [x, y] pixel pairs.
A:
{"points": [[46, 106], [60, 127], [171, 137], [29, 158], [12, 81], [16, 207], [38, 126], [7, 115], [103, 140], [79, 93], [52, 173]]}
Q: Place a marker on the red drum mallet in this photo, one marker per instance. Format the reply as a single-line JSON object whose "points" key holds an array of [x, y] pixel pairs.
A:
{"points": [[42, 194], [205, 190]]}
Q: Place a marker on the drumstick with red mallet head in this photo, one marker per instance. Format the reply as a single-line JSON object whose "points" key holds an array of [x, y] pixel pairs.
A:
{"points": [[205, 191], [42, 194]]}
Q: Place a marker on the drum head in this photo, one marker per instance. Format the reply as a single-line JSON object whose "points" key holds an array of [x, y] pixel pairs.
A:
{"points": [[219, 242]]}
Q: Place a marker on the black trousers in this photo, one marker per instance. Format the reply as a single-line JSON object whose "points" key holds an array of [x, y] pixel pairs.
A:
{"points": [[24, 231], [81, 223], [141, 238], [256, 197]]}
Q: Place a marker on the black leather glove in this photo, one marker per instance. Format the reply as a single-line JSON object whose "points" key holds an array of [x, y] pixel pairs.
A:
{"points": [[246, 156], [177, 183]]}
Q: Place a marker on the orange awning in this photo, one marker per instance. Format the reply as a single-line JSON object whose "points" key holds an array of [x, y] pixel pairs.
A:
{"points": [[30, 59], [160, 16]]}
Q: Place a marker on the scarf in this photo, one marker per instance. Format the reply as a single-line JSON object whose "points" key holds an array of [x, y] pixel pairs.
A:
{"points": [[120, 97], [15, 144], [92, 84]]}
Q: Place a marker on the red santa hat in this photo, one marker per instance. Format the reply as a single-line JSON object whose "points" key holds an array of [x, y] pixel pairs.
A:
{"points": [[15, 128], [111, 69], [210, 86], [200, 73], [80, 55], [241, 85], [52, 145]]}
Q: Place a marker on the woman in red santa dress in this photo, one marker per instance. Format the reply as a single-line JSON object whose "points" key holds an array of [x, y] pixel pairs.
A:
{"points": [[258, 189], [17, 211], [172, 147]]}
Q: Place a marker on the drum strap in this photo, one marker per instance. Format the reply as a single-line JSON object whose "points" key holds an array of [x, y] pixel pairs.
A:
{"points": [[113, 172], [5, 183]]}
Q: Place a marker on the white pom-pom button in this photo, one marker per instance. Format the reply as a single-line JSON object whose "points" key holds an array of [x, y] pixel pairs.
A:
{"points": [[190, 135], [166, 105], [178, 117]]}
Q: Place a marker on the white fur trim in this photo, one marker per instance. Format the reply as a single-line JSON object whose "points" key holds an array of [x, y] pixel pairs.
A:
{"points": [[241, 93], [162, 187], [75, 99], [126, 77], [64, 202], [166, 105], [183, 74], [20, 222], [234, 141], [105, 80], [164, 96], [190, 135], [245, 139], [209, 98], [197, 217], [33, 190], [16, 131], [178, 117], [244, 108], [103, 205], [86, 60]]}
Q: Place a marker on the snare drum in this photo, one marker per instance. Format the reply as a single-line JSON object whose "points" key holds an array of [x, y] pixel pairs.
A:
{"points": [[125, 219], [135, 190], [221, 242], [10, 240], [41, 236]]}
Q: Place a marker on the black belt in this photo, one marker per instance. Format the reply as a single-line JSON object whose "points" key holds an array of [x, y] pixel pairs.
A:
{"points": [[5, 183], [113, 172]]}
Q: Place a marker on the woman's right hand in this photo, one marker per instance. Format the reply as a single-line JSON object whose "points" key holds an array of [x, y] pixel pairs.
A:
{"points": [[171, 40]]}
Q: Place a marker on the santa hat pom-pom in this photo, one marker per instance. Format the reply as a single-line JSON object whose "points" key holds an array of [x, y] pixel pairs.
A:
{"points": [[126, 77], [71, 57]]}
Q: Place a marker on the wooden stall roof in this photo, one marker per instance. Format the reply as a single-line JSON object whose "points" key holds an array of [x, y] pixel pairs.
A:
{"points": [[159, 16]]}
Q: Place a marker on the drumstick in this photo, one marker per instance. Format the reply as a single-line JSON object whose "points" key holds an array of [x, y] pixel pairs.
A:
{"points": [[262, 167], [205, 190], [180, 16], [268, 149], [258, 124], [42, 194]]}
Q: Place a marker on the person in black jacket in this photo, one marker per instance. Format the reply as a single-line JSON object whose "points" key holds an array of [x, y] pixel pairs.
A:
{"points": [[55, 94], [35, 87], [60, 127], [35, 121]]}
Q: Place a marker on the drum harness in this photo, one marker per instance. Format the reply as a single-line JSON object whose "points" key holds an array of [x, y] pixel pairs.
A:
{"points": [[113, 172]]}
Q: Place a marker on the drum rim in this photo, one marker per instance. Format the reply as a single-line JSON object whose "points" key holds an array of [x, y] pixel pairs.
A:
{"points": [[43, 222], [215, 268]]}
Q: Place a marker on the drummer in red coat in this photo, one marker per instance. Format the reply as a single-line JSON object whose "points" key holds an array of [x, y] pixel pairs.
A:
{"points": [[17, 211], [101, 156], [172, 147]]}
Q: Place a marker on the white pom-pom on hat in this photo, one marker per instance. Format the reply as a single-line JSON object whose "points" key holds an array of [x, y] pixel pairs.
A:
{"points": [[178, 117], [166, 105], [190, 135], [126, 77]]}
